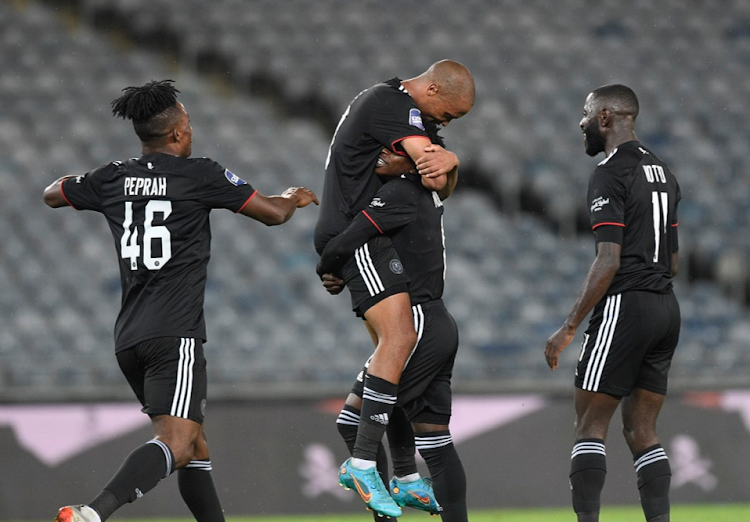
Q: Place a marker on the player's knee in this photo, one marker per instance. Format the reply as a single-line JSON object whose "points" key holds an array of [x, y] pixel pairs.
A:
{"points": [[639, 437], [185, 448]]}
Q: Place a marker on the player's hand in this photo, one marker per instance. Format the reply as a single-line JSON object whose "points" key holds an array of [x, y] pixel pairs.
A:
{"points": [[333, 284], [557, 343], [305, 196], [436, 161]]}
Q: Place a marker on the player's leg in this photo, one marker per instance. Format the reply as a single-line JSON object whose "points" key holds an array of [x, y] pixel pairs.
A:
{"points": [[661, 326], [639, 414], [426, 388], [347, 424], [378, 288], [606, 371], [588, 465], [197, 487], [435, 444], [158, 370], [391, 321]]}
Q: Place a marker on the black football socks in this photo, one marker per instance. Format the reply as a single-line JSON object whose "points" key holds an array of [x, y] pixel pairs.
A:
{"points": [[199, 492], [654, 477], [588, 469], [141, 471]]}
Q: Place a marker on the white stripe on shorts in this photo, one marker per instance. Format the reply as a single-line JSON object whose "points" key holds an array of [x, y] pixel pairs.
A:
{"points": [[418, 314], [604, 336], [184, 388], [367, 270]]}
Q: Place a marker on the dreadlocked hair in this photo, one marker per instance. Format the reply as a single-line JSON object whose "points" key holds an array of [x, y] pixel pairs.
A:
{"points": [[152, 108]]}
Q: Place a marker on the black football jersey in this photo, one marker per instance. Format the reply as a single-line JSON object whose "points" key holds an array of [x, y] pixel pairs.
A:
{"points": [[157, 208], [413, 218], [633, 200], [381, 116]]}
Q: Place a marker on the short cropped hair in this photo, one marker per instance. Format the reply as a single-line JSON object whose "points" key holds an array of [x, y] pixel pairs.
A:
{"points": [[619, 97]]}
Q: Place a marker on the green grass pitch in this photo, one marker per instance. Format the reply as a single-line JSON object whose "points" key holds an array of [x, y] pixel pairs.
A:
{"points": [[680, 513]]}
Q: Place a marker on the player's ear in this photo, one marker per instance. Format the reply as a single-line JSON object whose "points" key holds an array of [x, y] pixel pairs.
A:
{"points": [[605, 117], [433, 89]]}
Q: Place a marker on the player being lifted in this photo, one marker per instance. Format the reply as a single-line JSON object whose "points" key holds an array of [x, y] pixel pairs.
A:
{"points": [[157, 207], [412, 217], [633, 331], [386, 115]]}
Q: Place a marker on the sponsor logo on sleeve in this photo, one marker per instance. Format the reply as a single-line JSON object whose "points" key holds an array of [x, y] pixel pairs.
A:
{"points": [[598, 204], [415, 118], [234, 179], [377, 203], [396, 266]]}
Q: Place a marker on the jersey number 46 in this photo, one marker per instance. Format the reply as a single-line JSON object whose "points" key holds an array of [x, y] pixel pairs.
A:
{"points": [[129, 246]]}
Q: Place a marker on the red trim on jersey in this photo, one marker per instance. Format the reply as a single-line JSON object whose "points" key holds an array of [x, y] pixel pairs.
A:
{"points": [[613, 224], [372, 221], [246, 202], [62, 192], [401, 152], [674, 224]]}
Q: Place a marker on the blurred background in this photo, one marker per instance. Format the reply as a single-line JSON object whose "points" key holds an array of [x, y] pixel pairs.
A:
{"points": [[265, 82]]}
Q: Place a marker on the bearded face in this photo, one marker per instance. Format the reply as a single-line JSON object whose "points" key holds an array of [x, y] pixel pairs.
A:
{"points": [[593, 138]]}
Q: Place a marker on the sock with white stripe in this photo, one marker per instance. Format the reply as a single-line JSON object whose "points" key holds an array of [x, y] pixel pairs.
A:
{"points": [[141, 471], [378, 399], [654, 477], [588, 469], [447, 471], [198, 491], [347, 424]]}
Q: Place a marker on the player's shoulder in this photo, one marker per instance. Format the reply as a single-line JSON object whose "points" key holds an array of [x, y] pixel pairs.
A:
{"points": [[199, 163], [623, 159], [106, 172], [201, 167], [392, 91], [406, 189]]}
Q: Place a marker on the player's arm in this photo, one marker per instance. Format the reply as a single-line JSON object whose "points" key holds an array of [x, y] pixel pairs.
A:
{"points": [[275, 210], [433, 162], [600, 276], [675, 264], [339, 249], [53, 194], [451, 177]]}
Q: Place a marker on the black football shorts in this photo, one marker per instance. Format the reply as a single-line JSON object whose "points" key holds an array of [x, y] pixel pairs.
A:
{"points": [[424, 391], [373, 273], [168, 375], [629, 343]]}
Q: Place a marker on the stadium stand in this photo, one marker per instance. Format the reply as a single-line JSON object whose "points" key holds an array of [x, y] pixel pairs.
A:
{"points": [[254, 74]]}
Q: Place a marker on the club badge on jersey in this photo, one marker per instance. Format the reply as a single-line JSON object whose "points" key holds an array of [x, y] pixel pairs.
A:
{"points": [[234, 179], [415, 119]]}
